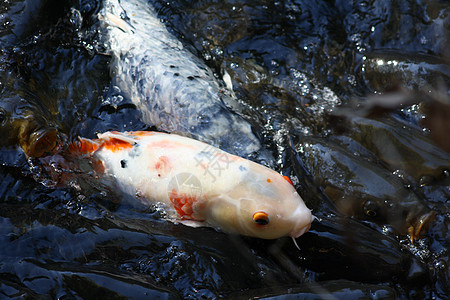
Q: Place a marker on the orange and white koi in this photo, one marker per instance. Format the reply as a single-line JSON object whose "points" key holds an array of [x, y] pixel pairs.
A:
{"points": [[199, 184]]}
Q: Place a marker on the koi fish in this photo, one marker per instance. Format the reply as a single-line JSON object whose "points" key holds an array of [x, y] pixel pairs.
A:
{"points": [[25, 124], [199, 184], [365, 191], [172, 88]]}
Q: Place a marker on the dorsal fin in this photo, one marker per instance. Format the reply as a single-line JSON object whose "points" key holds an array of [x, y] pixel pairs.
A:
{"points": [[124, 137], [116, 21]]}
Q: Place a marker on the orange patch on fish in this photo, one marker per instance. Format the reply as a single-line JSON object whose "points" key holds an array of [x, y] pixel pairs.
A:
{"points": [[166, 144], [204, 165], [288, 180], [115, 145], [227, 158], [87, 146], [84, 146], [163, 163], [182, 204]]}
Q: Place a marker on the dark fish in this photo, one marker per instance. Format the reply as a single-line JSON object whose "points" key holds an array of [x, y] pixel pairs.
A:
{"points": [[382, 69], [340, 247], [24, 121], [364, 190], [401, 147], [433, 113], [437, 119], [24, 124]]}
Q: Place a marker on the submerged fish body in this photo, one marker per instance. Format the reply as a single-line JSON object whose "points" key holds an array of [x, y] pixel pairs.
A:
{"points": [[174, 90], [364, 190], [401, 147], [24, 124], [199, 184], [413, 70]]}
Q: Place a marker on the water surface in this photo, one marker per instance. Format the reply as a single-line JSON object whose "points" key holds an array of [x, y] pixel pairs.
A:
{"points": [[290, 63]]}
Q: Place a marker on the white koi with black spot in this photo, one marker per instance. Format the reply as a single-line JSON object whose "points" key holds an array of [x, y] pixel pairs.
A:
{"points": [[173, 89], [200, 184]]}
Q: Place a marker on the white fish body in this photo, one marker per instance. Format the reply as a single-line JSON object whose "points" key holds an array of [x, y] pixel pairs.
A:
{"points": [[201, 184], [172, 88]]}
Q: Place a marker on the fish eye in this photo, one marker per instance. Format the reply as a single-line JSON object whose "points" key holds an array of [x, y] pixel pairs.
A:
{"points": [[370, 209], [370, 213], [261, 218]]}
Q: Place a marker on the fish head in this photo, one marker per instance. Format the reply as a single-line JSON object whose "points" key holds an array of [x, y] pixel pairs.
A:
{"points": [[416, 216], [26, 126], [265, 206]]}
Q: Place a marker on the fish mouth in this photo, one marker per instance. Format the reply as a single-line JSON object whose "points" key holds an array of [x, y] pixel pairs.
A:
{"points": [[420, 227], [40, 142], [296, 233], [303, 219]]}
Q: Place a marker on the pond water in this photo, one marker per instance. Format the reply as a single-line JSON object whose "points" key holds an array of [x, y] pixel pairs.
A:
{"points": [[319, 82]]}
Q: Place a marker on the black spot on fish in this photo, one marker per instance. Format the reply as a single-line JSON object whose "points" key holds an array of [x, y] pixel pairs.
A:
{"points": [[190, 77], [176, 74], [123, 163], [172, 66]]}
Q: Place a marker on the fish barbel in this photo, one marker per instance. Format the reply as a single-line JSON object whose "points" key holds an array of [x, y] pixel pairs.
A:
{"points": [[199, 184], [173, 89]]}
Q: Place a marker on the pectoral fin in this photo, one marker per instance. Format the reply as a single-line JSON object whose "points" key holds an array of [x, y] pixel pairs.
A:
{"points": [[112, 141], [192, 223], [82, 146]]}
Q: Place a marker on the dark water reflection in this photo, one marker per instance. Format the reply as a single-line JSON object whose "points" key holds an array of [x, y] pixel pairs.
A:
{"points": [[290, 62]]}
